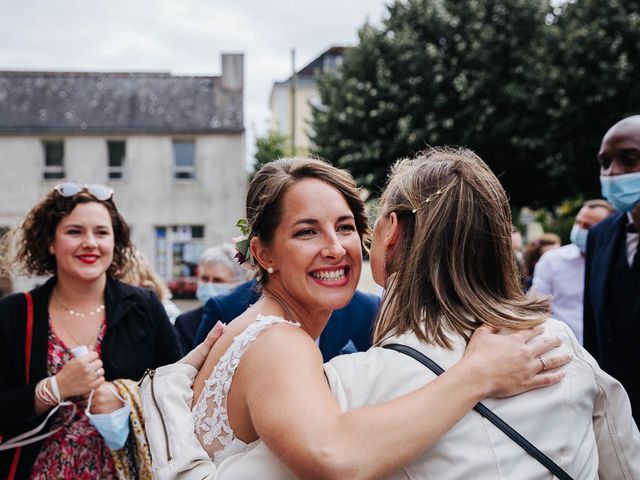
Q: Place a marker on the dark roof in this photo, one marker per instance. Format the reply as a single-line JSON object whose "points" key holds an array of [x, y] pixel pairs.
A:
{"points": [[77, 102], [317, 65]]}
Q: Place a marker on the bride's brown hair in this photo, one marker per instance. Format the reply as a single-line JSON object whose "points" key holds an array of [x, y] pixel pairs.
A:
{"points": [[453, 266]]}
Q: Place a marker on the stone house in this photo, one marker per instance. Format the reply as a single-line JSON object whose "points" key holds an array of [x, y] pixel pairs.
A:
{"points": [[171, 147]]}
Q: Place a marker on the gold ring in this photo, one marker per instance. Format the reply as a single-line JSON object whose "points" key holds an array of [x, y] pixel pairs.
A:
{"points": [[544, 364]]}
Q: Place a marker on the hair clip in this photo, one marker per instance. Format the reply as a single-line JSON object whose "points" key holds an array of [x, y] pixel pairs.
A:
{"points": [[433, 195]]}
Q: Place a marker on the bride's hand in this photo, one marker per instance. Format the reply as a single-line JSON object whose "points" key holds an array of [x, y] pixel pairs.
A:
{"points": [[512, 363], [198, 355]]}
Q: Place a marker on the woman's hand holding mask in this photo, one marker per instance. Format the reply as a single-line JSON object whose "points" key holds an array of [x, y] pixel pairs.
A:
{"points": [[105, 400]]}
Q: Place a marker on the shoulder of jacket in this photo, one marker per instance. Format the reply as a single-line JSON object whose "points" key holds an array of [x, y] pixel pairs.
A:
{"points": [[607, 223], [370, 299], [120, 291], [11, 302]]}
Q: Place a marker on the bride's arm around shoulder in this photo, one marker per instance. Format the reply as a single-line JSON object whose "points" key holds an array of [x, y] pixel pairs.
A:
{"points": [[295, 414]]}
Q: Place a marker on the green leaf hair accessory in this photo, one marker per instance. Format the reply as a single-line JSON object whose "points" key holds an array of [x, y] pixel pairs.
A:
{"points": [[242, 242]]}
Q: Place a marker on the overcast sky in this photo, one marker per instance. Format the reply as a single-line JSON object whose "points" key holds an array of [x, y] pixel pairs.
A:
{"points": [[180, 36]]}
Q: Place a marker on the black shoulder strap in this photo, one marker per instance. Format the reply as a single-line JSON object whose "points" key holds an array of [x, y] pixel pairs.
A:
{"points": [[488, 414]]}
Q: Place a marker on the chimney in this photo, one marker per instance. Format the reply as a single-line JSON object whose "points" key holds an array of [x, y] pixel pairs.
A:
{"points": [[232, 71]]}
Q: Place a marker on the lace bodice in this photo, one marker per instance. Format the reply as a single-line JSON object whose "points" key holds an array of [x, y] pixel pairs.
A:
{"points": [[210, 412]]}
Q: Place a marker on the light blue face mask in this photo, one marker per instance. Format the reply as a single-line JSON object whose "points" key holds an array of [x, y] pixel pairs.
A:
{"points": [[578, 237], [114, 426], [207, 290], [622, 191]]}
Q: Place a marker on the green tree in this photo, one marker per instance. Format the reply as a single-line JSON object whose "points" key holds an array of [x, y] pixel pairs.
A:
{"points": [[269, 148], [595, 46], [442, 72], [530, 88]]}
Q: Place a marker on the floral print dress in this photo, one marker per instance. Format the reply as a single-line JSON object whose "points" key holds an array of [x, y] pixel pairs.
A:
{"points": [[76, 451]]}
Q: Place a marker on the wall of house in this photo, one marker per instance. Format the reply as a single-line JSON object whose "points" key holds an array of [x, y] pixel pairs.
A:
{"points": [[280, 105], [148, 196]]}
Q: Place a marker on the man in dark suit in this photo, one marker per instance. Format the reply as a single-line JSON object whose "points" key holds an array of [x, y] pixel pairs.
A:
{"points": [[612, 273], [348, 329]]}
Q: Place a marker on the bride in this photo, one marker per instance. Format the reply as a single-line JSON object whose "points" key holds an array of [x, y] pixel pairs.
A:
{"points": [[264, 380]]}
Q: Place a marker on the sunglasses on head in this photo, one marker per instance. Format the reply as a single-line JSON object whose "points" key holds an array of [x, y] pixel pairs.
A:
{"points": [[69, 189]]}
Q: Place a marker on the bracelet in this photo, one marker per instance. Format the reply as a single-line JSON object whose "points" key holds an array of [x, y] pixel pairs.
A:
{"points": [[54, 386], [43, 393]]}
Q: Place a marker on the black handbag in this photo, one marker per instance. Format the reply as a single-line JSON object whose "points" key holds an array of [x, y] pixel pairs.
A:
{"points": [[488, 414]]}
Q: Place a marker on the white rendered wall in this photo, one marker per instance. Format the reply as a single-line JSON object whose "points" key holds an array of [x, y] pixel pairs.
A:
{"points": [[280, 104], [148, 195]]}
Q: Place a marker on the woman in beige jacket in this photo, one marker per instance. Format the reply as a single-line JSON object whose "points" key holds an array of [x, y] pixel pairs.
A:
{"points": [[442, 250], [441, 247]]}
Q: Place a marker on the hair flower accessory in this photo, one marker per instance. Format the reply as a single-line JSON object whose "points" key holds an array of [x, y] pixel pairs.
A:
{"points": [[243, 252]]}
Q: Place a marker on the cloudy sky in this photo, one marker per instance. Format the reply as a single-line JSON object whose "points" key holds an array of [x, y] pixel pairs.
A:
{"points": [[180, 36]]}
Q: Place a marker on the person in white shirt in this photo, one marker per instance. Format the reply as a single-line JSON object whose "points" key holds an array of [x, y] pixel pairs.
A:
{"points": [[560, 272]]}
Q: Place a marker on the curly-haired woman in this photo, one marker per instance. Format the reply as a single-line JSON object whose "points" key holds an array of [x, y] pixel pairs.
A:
{"points": [[76, 234]]}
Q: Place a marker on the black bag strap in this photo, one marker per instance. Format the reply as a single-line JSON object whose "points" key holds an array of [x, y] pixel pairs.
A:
{"points": [[488, 414]]}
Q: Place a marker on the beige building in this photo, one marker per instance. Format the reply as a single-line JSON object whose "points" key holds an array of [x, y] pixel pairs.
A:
{"points": [[172, 148], [306, 96]]}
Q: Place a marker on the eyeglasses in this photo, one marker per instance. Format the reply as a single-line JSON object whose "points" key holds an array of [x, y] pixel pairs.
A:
{"points": [[69, 189]]}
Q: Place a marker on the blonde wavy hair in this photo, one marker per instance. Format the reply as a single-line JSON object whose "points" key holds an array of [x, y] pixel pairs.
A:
{"points": [[453, 268]]}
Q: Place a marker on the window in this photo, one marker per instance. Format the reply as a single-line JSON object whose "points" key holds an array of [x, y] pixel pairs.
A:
{"points": [[184, 166], [177, 252], [331, 62], [53, 160], [117, 152]]}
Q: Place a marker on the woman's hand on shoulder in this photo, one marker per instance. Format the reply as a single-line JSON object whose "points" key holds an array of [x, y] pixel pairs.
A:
{"points": [[513, 363]]}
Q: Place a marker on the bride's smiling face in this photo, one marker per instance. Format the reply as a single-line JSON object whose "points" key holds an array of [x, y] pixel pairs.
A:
{"points": [[316, 251]]}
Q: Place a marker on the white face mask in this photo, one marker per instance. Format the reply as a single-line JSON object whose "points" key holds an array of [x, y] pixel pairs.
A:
{"points": [[578, 236], [622, 191], [208, 290], [114, 426]]}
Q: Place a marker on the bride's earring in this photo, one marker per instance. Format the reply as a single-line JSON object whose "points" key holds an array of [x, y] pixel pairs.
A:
{"points": [[270, 270]]}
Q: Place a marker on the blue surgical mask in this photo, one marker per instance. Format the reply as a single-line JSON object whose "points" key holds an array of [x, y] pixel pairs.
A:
{"points": [[207, 290], [114, 426], [578, 237], [622, 191]]}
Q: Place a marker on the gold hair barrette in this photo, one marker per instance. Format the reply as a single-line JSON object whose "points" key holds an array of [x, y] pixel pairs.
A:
{"points": [[440, 191], [433, 195]]}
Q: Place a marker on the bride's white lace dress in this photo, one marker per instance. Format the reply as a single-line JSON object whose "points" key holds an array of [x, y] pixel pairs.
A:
{"points": [[210, 411]]}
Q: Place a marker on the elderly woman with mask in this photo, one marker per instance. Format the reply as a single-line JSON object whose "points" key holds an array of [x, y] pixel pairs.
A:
{"points": [[218, 273]]}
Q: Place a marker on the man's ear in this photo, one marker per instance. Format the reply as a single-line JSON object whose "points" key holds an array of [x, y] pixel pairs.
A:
{"points": [[261, 253]]}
